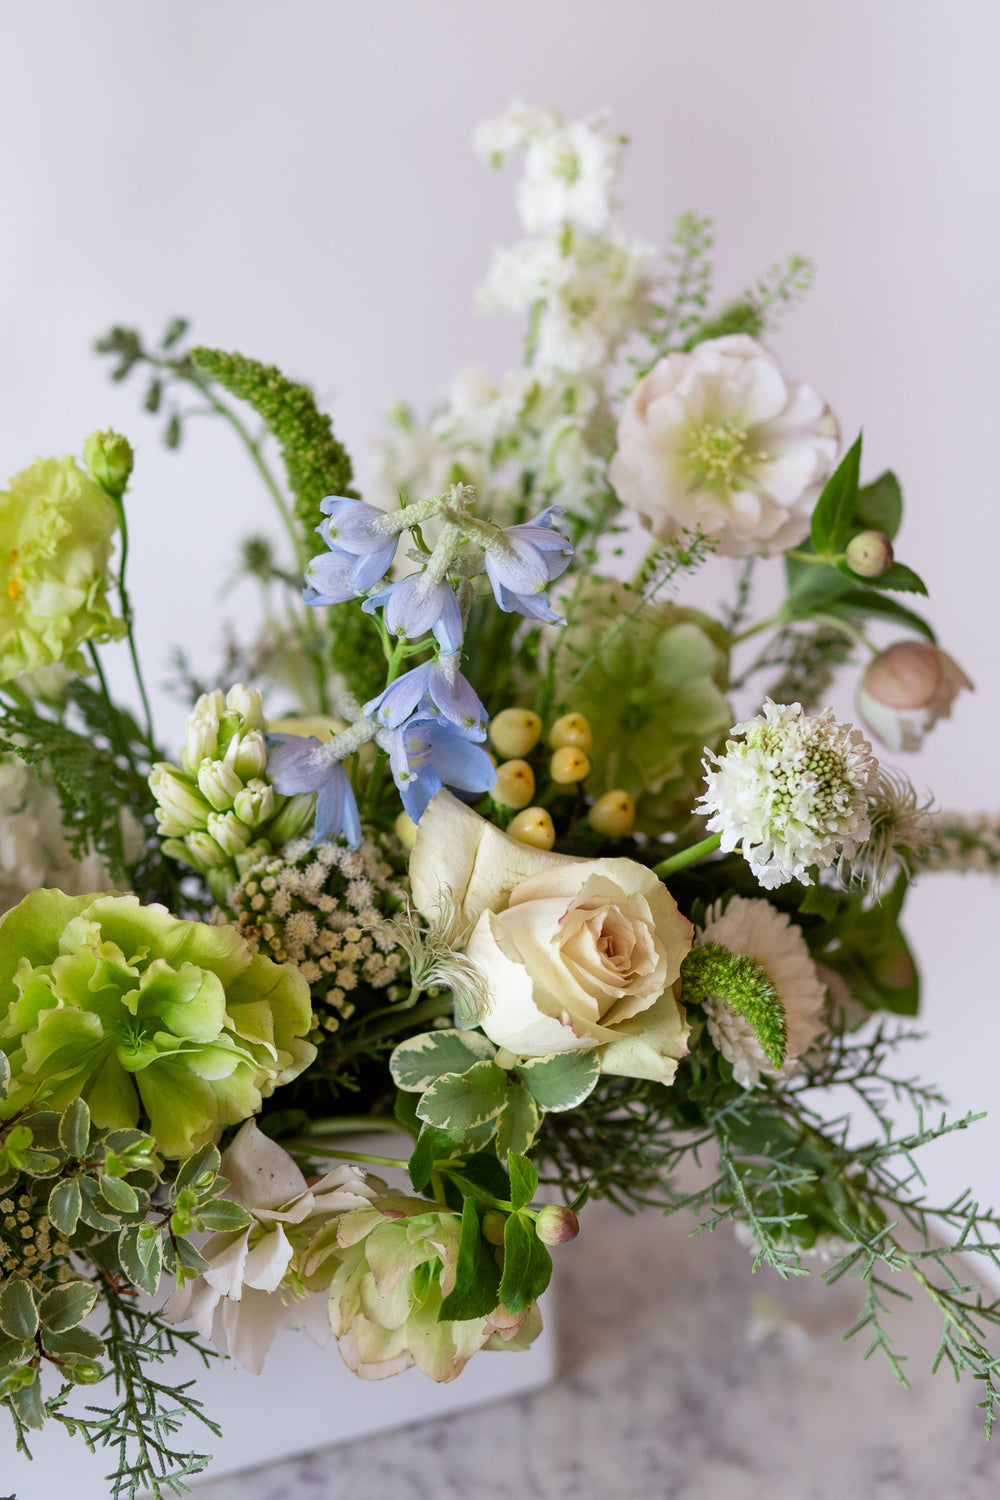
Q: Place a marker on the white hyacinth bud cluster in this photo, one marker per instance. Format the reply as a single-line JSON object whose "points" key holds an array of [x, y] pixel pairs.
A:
{"points": [[217, 811], [330, 911]]}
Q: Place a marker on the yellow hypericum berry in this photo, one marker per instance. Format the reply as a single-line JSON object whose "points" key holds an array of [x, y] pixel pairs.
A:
{"points": [[515, 731], [533, 826], [406, 830], [571, 729], [613, 814], [515, 784], [568, 765]]}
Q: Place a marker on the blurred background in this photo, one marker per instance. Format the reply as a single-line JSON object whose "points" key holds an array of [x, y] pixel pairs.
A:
{"points": [[298, 180]]}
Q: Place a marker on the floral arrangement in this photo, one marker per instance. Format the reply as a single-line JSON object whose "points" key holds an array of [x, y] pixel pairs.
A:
{"points": [[463, 845]]}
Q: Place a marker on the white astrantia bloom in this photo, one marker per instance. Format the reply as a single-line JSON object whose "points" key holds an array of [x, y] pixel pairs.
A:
{"points": [[719, 439], [792, 794], [253, 1287], [752, 926]]}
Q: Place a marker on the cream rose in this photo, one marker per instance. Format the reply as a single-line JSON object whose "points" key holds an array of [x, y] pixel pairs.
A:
{"points": [[573, 953]]}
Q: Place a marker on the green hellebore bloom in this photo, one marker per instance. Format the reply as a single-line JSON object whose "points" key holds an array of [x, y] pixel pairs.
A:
{"points": [[147, 1017], [56, 533], [654, 693]]}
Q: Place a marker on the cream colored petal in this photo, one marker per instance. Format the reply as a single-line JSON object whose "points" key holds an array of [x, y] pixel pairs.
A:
{"points": [[261, 1173], [514, 1020], [650, 1046], [461, 857], [226, 1263], [267, 1262]]}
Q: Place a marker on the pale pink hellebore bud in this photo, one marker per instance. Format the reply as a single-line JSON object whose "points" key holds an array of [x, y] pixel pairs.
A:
{"points": [[906, 689], [869, 554]]}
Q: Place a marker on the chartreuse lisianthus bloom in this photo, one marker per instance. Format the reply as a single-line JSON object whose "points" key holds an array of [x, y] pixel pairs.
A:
{"points": [[147, 1017], [56, 532]]}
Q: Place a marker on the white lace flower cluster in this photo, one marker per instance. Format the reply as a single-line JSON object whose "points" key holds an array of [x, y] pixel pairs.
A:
{"points": [[330, 911], [585, 287], [792, 794], [33, 847]]}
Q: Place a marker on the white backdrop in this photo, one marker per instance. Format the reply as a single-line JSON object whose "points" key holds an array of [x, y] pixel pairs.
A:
{"points": [[297, 178]]}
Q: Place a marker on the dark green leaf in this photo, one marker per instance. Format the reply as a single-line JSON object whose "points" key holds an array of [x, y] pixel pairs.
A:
{"points": [[40, 1163], [481, 1169], [899, 579], [74, 1128], [527, 1265], [477, 1277], [189, 1255], [471, 1099], [867, 602], [834, 512], [67, 1305], [523, 1180], [431, 1144], [18, 1312], [879, 506]]}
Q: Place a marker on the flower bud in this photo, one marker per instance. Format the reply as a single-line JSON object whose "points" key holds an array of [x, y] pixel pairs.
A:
{"points": [[254, 803], [109, 458], [568, 765], [613, 814], [202, 740], [180, 808], [205, 852], [572, 729], [218, 783], [248, 703], [247, 754], [556, 1225], [493, 1226], [906, 689], [515, 732], [869, 554], [406, 830], [293, 819], [533, 826], [515, 784], [228, 832]]}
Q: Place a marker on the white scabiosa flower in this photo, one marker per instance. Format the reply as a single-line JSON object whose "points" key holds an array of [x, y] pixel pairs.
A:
{"points": [[720, 439], [755, 928], [792, 794]]}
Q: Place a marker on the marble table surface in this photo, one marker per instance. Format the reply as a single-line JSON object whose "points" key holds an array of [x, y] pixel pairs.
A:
{"points": [[682, 1376]]}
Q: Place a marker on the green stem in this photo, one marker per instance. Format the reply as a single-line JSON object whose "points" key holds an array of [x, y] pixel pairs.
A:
{"points": [[354, 1124], [687, 857], [128, 617], [310, 1147], [853, 632], [117, 739], [823, 560], [744, 635]]}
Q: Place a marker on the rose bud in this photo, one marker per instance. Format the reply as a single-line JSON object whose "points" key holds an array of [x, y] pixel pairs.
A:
{"points": [[869, 554], [906, 689], [556, 1225]]}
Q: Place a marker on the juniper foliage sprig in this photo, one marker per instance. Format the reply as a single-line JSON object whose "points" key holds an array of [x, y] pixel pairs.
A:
{"points": [[767, 1158]]}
